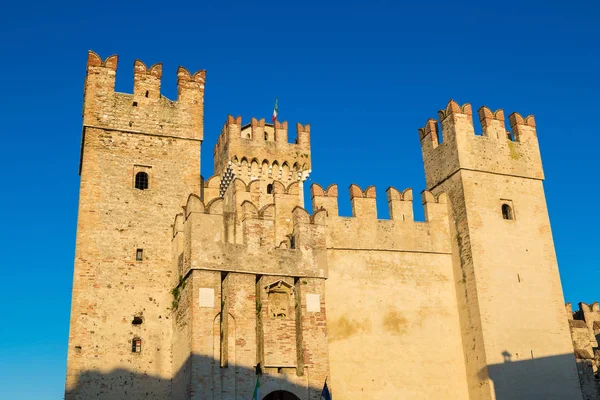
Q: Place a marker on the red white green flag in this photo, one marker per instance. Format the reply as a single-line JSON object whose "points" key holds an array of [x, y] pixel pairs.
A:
{"points": [[256, 395], [275, 111]]}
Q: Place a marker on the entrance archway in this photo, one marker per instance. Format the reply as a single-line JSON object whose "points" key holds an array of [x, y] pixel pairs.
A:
{"points": [[280, 395]]}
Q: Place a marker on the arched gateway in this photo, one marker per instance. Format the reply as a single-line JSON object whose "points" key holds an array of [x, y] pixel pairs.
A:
{"points": [[280, 395]]}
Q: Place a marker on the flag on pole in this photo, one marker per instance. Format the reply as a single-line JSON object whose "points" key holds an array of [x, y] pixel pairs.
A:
{"points": [[325, 393], [256, 395], [275, 111]]}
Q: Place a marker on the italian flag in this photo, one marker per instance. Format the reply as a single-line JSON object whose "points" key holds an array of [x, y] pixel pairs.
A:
{"points": [[275, 111], [256, 395]]}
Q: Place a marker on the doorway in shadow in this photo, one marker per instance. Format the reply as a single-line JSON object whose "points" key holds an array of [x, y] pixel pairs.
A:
{"points": [[280, 395]]}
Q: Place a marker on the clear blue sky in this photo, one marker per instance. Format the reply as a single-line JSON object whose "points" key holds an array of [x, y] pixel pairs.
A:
{"points": [[365, 75]]}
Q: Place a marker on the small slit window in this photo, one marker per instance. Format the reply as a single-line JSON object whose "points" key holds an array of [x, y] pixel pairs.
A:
{"points": [[270, 188], [141, 181], [507, 212], [139, 255], [136, 345], [137, 320], [266, 136], [147, 93]]}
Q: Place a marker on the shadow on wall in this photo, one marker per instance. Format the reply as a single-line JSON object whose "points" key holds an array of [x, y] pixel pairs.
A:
{"points": [[228, 383], [530, 378]]}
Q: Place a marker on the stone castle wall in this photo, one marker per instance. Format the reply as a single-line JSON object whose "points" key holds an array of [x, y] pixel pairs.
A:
{"points": [[239, 281], [391, 299], [506, 265], [110, 287]]}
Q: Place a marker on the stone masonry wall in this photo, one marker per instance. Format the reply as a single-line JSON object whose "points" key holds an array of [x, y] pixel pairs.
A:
{"points": [[585, 331], [111, 287], [505, 266], [245, 307], [238, 281], [392, 321]]}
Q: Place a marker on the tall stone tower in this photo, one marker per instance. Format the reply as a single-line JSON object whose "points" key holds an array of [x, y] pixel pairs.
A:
{"points": [[253, 266], [140, 159], [260, 154], [260, 151], [515, 337]]}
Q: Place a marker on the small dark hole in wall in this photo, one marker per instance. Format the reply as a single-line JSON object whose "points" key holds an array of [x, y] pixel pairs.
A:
{"points": [[137, 320], [147, 93], [270, 188], [77, 349], [135, 102]]}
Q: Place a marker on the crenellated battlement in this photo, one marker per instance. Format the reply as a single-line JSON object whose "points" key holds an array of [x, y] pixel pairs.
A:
{"points": [[455, 116], [496, 150], [145, 110], [251, 280], [259, 150], [201, 233], [584, 325], [364, 202], [146, 81], [399, 232]]}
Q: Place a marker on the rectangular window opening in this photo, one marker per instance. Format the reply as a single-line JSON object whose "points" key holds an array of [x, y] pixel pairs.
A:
{"points": [[139, 254], [136, 345]]}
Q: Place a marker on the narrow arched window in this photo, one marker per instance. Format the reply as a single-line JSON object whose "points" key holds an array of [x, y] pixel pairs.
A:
{"points": [[507, 212], [270, 188], [141, 181], [266, 136]]}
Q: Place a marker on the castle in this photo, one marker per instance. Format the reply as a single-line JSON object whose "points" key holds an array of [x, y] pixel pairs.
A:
{"points": [[192, 288]]}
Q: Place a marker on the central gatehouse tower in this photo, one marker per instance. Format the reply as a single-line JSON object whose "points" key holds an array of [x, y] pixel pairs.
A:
{"points": [[252, 268]]}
